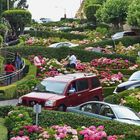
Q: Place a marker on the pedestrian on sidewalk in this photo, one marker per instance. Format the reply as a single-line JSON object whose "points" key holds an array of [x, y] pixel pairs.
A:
{"points": [[9, 69]]}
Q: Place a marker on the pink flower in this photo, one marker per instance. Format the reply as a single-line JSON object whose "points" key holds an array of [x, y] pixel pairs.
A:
{"points": [[114, 137], [20, 115], [21, 133], [62, 135]]}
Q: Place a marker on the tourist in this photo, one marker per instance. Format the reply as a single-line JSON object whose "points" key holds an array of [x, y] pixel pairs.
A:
{"points": [[18, 61], [72, 61], [9, 69]]}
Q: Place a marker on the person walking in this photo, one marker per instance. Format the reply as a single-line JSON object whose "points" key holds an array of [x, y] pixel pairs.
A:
{"points": [[9, 69], [18, 61]]}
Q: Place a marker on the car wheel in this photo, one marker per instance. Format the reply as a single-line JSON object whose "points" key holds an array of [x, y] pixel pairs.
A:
{"points": [[62, 108]]}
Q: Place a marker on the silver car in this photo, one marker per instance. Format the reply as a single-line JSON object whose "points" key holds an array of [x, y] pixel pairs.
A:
{"points": [[63, 44], [132, 83], [107, 111]]}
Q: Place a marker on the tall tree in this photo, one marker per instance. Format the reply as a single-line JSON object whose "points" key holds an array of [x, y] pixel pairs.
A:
{"points": [[113, 11], [133, 17], [22, 4], [17, 19], [90, 12]]}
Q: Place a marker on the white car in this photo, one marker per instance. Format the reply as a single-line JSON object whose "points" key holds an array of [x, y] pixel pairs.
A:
{"points": [[132, 83], [122, 34], [63, 44]]}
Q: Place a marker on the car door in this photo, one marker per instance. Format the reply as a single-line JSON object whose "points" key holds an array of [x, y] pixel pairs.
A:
{"points": [[82, 90], [78, 97], [106, 112]]}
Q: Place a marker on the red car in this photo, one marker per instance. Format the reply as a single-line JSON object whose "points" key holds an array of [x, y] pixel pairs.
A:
{"points": [[60, 92]]}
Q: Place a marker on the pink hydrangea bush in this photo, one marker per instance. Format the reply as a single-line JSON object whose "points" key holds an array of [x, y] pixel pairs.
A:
{"points": [[58, 132], [109, 79], [117, 63], [20, 138]]}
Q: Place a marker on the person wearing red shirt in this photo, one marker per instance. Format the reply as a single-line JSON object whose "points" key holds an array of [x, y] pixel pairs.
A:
{"points": [[9, 69]]}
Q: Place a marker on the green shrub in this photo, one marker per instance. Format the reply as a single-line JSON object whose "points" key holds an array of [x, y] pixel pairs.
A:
{"points": [[17, 119], [49, 118], [3, 130], [46, 34], [126, 41], [108, 91], [103, 31], [1, 40], [130, 96], [3, 29], [1, 63], [62, 52], [20, 87]]}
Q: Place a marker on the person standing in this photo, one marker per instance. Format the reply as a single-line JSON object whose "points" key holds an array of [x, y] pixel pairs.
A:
{"points": [[9, 69], [18, 61]]}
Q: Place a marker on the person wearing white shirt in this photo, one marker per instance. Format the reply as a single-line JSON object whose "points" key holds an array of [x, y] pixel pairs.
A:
{"points": [[72, 61]]}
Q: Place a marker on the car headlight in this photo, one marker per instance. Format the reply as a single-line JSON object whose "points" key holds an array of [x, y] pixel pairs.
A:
{"points": [[49, 103], [20, 100]]}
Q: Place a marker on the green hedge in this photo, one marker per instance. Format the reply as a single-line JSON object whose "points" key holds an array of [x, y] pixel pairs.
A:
{"points": [[60, 53], [1, 63], [46, 34], [3, 130], [131, 101], [108, 91], [1, 40], [126, 41], [49, 118], [10, 91]]}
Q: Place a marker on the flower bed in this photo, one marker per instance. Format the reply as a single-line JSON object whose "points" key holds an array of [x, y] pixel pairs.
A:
{"points": [[58, 132], [53, 67], [117, 63], [71, 129]]}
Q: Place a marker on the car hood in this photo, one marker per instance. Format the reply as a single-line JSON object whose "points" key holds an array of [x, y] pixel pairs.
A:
{"points": [[135, 122], [128, 83], [44, 96]]}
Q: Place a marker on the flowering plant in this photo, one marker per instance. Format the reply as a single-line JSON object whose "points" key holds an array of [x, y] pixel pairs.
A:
{"points": [[20, 138], [117, 63], [108, 79], [58, 132], [15, 118], [32, 131]]}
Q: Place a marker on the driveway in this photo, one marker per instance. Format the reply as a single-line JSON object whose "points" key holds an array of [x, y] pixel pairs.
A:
{"points": [[9, 102]]}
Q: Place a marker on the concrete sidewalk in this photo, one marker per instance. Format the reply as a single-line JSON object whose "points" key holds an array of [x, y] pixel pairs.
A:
{"points": [[9, 102]]}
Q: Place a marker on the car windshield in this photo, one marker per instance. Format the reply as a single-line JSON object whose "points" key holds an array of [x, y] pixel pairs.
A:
{"points": [[125, 113], [135, 76], [55, 87]]}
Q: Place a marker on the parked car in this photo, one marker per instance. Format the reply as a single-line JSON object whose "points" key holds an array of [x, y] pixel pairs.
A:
{"points": [[122, 34], [132, 83], [107, 111], [60, 92], [63, 44]]}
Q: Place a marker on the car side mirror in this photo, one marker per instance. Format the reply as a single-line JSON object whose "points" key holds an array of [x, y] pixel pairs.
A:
{"points": [[110, 115]]}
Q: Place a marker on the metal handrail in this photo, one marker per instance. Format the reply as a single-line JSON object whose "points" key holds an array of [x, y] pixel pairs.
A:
{"points": [[14, 74]]}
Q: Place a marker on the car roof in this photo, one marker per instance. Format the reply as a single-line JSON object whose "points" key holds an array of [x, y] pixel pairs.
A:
{"points": [[102, 102], [70, 77]]}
